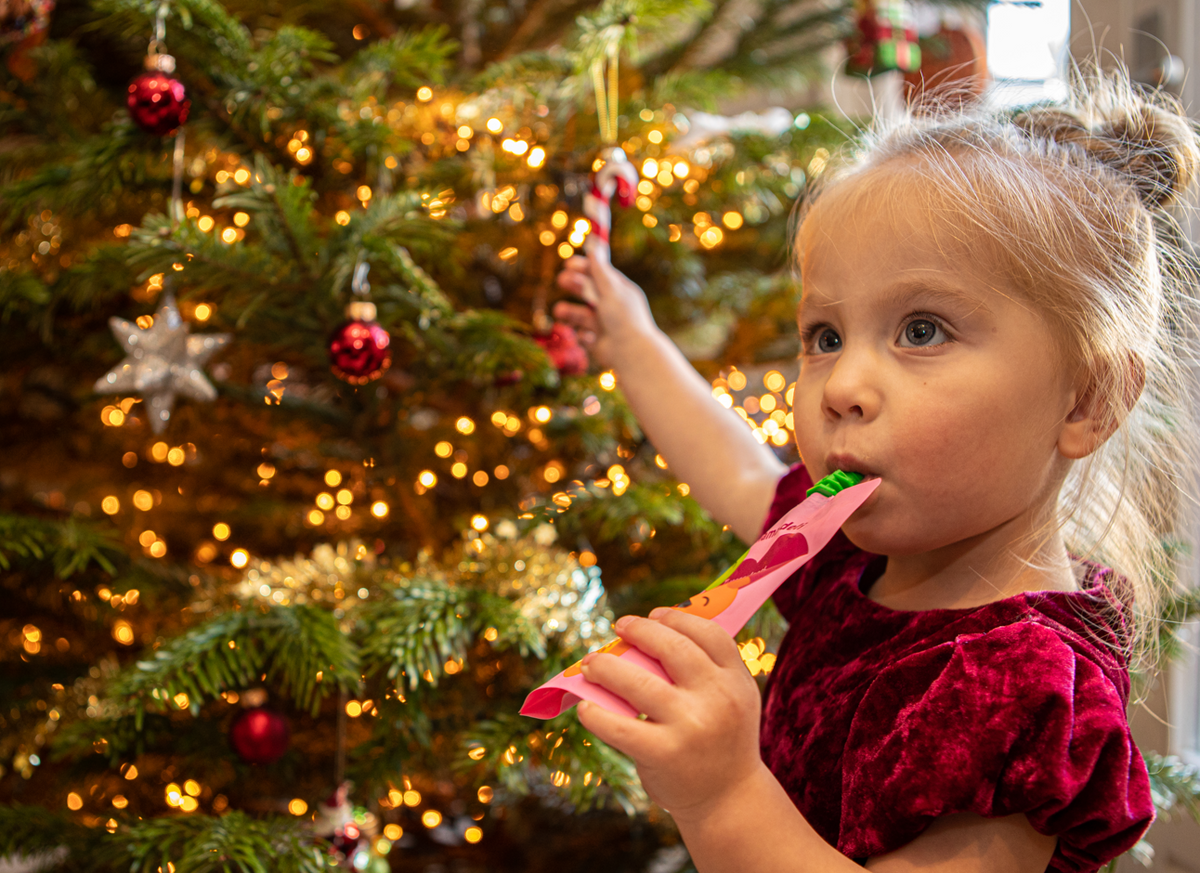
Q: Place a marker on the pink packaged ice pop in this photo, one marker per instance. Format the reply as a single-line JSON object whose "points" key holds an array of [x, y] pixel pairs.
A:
{"points": [[733, 598]]}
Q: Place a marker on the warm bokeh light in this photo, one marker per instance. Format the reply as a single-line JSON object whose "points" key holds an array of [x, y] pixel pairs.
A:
{"points": [[379, 509], [129, 459], [110, 505], [343, 512], [345, 497], [342, 217], [74, 802], [458, 470], [427, 478], [495, 125], [542, 414], [485, 794], [241, 219], [143, 500], [333, 478], [443, 449], [464, 425], [608, 380], [176, 456], [353, 708], [316, 517], [480, 478], [297, 806], [732, 220], [122, 632], [192, 787], [431, 818], [501, 472], [479, 522], [473, 834], [325, 501], [203, 311], [393, 831], [565, 250], [424, 93], [131, 772], [412, 798], [240, 558]]}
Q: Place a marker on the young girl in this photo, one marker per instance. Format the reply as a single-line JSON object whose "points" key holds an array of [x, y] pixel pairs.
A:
{"points": [[992, 319]]}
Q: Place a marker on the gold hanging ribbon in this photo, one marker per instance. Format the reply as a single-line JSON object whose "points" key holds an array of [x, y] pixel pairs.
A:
{"points": [[606, 93]]}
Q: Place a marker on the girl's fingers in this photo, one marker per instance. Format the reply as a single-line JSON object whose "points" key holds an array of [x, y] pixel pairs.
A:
{"points": [[582, 318], [644, 691], [629, 735], [709, 636], [579, 283], [681, 657]]}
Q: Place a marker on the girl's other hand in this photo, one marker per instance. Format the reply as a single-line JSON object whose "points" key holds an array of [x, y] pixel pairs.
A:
{"points": [[700, 739], [616, 309]]}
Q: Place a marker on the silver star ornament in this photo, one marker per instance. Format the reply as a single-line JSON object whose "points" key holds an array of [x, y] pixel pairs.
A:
{"points": [[161, 362]]}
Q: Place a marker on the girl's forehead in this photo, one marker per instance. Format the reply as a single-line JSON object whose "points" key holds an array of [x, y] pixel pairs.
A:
{"points": [[892, 204]]}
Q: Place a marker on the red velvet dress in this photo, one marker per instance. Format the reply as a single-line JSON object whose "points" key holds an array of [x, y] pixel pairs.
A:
{"points": [[877, 721]]}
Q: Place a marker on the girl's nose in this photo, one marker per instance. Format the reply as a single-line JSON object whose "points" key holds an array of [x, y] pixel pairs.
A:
{"points": [[852, 389]]}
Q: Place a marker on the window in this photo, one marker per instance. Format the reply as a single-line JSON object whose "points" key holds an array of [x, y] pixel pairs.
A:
{"points": [[1027, 50]]}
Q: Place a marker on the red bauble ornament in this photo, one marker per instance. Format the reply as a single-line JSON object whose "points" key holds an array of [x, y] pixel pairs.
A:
{"points": [[562, 345], [259, 736], [157, 103], [360, 348]]}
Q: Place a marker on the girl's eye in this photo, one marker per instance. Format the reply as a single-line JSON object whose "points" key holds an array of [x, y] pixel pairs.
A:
{"points": [[922, 332], [825, 340]]}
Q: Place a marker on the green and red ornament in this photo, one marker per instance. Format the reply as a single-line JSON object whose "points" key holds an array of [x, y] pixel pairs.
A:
{"points": [[259, 735], [884, 38], [157, 101], [360, 350]]}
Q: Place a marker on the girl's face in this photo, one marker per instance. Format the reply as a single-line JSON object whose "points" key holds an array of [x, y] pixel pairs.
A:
{"points": [[923, 366]]}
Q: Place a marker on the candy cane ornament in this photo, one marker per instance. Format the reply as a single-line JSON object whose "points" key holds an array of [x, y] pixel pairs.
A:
{"points": [[616, 177]]}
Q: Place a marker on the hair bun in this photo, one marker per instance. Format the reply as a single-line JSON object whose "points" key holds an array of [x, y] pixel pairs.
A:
{"points": [[1147, 139]]}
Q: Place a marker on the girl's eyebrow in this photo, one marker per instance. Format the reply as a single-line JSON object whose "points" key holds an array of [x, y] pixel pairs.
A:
{"points": [[906, 292]]}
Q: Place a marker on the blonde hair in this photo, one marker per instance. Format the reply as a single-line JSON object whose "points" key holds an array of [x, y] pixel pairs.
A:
{"points": [[1074, 200]]}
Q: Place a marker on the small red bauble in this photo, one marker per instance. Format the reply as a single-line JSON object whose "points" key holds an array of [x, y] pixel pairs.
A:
{"points": [[259, 736], [564, 350], [360, 348], [157, 103]]}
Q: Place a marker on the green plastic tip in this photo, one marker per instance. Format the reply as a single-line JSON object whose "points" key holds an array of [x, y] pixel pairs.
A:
{"points": [[836, 481]]}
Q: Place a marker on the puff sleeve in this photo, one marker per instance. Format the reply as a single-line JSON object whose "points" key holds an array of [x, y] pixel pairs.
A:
{"points": [[1013, 720]]}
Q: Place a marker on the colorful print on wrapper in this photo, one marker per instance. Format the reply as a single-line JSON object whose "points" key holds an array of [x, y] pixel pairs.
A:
{"points": [[730, 602]]}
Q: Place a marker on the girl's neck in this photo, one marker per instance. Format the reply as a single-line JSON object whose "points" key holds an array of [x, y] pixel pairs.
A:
{"points": [[974, 572]]}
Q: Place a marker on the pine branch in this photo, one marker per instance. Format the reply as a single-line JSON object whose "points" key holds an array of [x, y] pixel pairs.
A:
{"points": [[407, 61], [559, 753], [1174, 784], [233, 843], [427, 621], [68, 545], [290, 644], [35, 831]]}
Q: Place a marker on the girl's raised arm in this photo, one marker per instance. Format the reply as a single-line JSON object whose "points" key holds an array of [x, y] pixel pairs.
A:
{"points": [[706, 445]]}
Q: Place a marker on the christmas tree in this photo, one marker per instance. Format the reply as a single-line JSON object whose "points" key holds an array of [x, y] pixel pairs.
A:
{"points": [[303, 490]]}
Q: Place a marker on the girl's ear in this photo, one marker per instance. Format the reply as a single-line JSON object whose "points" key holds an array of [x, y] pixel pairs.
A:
{"points": [[1095, 417]]}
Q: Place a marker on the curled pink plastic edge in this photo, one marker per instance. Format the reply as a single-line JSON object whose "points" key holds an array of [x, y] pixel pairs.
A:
{"points": [[773, 558]]}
